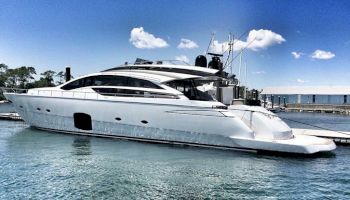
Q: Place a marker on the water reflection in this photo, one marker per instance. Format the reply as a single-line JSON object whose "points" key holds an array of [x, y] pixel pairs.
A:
{"points": [[44, 165], [313, 120], [81, 146]]}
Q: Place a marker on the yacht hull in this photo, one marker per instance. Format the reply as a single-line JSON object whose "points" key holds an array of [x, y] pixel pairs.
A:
{"points": [[154, 122], [136, 120]]}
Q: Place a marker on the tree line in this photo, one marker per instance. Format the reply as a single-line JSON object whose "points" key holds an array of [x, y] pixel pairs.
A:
{"points": [[23, 78]]}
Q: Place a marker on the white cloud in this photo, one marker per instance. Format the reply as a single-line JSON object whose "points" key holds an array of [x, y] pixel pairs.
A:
{"points": [[301, 81], [256, 40], [296, 55], [259, 72], [323, 55], [261, 39], [144, 40], [217, 47], [187, 44], [182, 58], [239, 45]]}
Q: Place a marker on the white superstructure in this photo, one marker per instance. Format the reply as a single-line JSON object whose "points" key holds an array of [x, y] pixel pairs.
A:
{"points": [[158, 103]]}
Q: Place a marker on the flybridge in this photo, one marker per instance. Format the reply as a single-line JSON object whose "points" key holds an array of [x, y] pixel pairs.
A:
{"points": [[168, 66], [192, 70]]}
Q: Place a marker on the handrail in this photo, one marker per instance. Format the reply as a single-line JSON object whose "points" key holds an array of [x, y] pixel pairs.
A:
{"points": [[83, 94], [257, 111], [13, 90], [161, 62]]}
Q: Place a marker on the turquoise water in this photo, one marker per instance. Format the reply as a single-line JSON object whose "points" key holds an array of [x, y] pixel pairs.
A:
{"points": [[42, 165]]}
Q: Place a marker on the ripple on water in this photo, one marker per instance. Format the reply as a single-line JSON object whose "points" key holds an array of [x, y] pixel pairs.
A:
{"points": [[40, 165]]}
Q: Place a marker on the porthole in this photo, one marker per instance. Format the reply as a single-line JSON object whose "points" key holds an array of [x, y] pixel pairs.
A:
{"points": [[38, 109], [118, 118], [48, 110], [21, 106], [144, 122]]}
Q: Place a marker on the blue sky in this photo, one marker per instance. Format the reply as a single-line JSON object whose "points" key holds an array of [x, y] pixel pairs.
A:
{"points": [[91, 36]]}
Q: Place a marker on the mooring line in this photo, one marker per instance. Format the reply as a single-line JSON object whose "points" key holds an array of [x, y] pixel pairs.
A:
{"points": [[315, 126]]}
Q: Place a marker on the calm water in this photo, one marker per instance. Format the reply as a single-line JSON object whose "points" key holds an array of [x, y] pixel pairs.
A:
{"points": [[41, 165]]}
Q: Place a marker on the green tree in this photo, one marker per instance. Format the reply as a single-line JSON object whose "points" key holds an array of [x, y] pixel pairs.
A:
{"points": [[25, 75], [11, 77], [47, 80], [62, 77], [48, 77], [3, 69], [19, 77], [42, 82]]}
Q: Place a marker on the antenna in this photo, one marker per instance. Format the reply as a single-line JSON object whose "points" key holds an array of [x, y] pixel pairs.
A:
{"points": [[237, 39], [242, 50], [239, 69], [245, 79], [211, 40], [245, 69], [230, 48]]}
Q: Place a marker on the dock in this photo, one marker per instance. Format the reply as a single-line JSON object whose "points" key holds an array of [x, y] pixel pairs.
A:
{"points": [[10, 116], [339, 137], [319, 108], [318, 99]]}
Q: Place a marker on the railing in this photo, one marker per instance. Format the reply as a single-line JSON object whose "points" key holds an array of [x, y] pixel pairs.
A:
{"points": [[161, 62], [257, 111], [84, 94], [12, 90]]}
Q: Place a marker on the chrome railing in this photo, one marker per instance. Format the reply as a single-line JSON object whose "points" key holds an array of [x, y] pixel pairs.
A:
{"points": [[83, 94]]}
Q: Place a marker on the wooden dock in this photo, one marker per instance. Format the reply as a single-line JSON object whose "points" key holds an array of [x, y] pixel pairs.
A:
{"points": [[339, 137]]}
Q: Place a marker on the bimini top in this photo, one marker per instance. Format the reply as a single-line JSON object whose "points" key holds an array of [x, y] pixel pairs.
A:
{"points": [[182, 69]]}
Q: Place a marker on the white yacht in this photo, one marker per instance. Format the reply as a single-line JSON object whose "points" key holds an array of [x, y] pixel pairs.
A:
{"points": [[158, 103]]}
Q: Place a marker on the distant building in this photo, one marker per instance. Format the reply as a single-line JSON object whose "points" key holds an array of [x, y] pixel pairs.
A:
{"points": [[333, 95]]}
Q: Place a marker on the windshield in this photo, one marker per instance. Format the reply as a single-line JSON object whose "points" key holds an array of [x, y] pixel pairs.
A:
{"points": [[194, 89]]}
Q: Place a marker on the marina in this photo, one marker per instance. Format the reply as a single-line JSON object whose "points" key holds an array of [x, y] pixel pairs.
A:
{"points": [[321, 99], [155, 99], [319, 108]]}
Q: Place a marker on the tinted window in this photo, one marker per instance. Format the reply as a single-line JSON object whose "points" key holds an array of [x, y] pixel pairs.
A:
{"points": [[117, 92], [108, 80], [73, 85], [189, 89], [88, 81], [135, 82], [132, 93], [83, 82]]}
